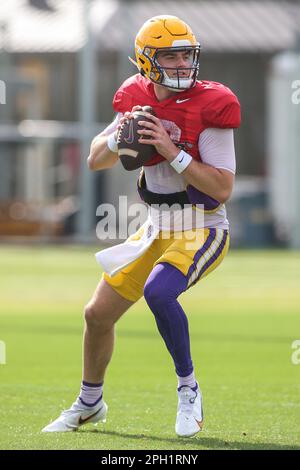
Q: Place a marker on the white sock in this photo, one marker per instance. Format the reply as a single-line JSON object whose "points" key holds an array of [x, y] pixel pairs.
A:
{"points": [[188, 381], [90, 394]]}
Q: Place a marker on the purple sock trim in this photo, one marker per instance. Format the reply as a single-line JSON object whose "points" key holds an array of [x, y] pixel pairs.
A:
{"points": [[91, 405], [192, 388], [88, 384]]}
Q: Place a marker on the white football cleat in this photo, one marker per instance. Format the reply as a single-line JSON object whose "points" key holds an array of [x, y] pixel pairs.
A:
{"points": [[189, 419], [76, 416]]}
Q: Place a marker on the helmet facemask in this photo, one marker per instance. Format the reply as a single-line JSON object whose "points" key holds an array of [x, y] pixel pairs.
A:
{"points": [[173, 78]]}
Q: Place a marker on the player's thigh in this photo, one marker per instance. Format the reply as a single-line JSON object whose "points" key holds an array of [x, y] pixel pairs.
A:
{"points": [[130, 281], [106, 305], [197, 256]]}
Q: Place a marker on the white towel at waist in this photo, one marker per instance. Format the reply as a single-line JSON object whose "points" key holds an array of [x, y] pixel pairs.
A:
{"points": [[117, 257]]}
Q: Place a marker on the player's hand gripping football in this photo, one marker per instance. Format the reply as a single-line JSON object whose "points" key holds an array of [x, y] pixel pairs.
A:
{"points": [[128, 115], [159, 137]]}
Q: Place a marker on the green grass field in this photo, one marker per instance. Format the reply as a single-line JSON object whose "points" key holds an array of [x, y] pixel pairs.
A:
{"points": [[243, 319]]}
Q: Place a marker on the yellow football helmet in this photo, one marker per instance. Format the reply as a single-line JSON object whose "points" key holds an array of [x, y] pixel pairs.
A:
{"points": [[166, 33]]}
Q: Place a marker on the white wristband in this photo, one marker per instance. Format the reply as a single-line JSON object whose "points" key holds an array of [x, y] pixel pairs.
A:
{"points": [[112, 143], [182, 160]]}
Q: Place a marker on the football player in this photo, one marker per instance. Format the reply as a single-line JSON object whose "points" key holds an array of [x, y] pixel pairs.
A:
{"points": [[194, 166]]}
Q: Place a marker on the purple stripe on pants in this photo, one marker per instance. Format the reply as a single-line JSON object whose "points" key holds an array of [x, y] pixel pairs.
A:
{"points": [[209, 241], [216, 254], [213, 258]]}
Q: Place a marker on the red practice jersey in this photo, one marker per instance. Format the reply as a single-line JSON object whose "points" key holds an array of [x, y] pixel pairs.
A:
{"points": [[184, 115]]}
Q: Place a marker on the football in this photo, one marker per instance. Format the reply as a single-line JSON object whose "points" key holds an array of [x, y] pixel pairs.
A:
{"points": [[131, 152]]}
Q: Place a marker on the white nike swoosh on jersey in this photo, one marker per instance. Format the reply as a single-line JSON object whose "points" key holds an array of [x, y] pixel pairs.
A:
{"points": [[182, 101]]}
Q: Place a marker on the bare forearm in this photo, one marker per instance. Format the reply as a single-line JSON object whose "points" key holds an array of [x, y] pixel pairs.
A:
{"points": [[216, 183], [101, 157], [209, 180]]}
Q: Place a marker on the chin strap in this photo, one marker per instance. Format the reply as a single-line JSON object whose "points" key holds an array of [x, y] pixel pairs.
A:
{"points": [[168, 82]]}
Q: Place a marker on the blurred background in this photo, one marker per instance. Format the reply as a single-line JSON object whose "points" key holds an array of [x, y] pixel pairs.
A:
{"points": [[61, 62]]}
